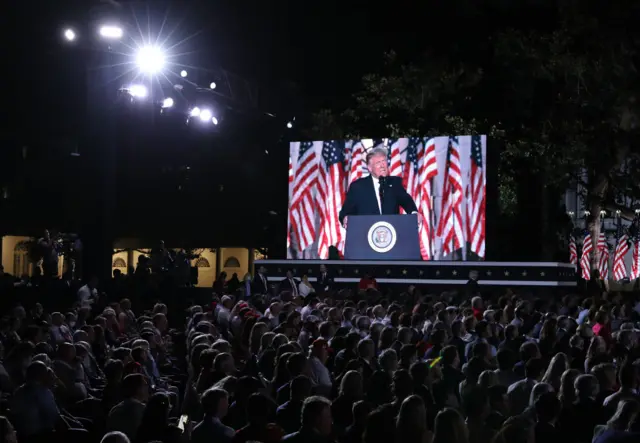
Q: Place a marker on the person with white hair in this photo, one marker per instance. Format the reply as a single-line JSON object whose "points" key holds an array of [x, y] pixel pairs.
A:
{"points": [[115, 437]]}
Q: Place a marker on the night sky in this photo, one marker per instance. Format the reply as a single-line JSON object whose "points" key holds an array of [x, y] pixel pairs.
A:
{"points": [[302, 56]]}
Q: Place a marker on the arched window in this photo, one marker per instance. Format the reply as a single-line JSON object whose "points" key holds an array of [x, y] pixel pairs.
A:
{"points": [[231, 262], [202, 262], [119, 262], [21, 259]]}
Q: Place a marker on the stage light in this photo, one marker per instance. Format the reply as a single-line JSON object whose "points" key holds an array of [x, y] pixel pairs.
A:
{"points": [[289, 125], [212, 85], [206, 115], [195, 112], [183, 73], [138, 91], [150, 60], [167, 102], [111, 32], [69, 35], [214, 120]]}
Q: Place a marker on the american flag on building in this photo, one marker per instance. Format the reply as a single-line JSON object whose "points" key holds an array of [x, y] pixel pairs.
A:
{"points": [[573, 250], [585, 259], [450, 223], [603, 250], [622, 247], [476, 196], [331, 193], [302, 215]]}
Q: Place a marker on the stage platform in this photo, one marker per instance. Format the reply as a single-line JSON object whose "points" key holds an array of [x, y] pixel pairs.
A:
{"points": [[531, 274]]}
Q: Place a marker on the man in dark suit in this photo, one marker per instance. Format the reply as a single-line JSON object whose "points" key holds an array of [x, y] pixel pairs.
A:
{"points": [[260, 284], [378, 193], [290, 284], [325, 280]]}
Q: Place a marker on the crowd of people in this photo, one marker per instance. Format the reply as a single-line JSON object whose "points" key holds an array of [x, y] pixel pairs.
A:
{"points": [[350, 367]]}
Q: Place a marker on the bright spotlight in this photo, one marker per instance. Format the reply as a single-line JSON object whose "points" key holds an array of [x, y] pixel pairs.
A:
{"points": [[69, 35], [195, 112], [206, 115], [212, 85], [150, 60], [167, 102], [138, 91], [214, 120], [111, 32], [183, 73], [289, 125]]}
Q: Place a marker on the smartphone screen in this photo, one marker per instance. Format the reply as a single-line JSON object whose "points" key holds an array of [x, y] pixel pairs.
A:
{"points": [[183, 422]]}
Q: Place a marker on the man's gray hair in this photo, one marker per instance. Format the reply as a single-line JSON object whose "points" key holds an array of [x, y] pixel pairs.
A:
{"points": [[375, 152]]}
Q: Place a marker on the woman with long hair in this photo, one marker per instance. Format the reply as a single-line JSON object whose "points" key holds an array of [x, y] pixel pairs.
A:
{"points": [[449, 427], [567, 393], [596, 354], [411, 424], [557, 367], [350, 392]]}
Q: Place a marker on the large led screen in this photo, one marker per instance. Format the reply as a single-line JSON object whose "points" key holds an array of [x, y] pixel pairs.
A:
{"points": [[443, 179]]}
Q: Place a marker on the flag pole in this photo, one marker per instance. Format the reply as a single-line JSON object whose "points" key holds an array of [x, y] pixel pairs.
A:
{"points": [[431, 219], [586, 228], [635, 241], [571, 234], [605, 282]]}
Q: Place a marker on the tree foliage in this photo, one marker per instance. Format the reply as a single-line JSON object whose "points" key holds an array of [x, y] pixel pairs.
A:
{"points": [[562, 104]]}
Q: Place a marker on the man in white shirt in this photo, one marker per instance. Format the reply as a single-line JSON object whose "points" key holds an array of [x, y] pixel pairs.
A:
{"points": [[88, 294]]}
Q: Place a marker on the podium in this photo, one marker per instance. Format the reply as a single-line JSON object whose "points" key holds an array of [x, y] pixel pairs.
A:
{"points": [[382, 237]]}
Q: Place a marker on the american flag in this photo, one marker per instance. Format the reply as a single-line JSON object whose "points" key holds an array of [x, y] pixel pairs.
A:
{"points": [[476, 196], [395, 158], [573, 250], [622, 247], [635, 260], [331, 193], [585, 260], [450, 223], [410, 177], [603, 249], [302, 208], [358, 167], [428, 169]]}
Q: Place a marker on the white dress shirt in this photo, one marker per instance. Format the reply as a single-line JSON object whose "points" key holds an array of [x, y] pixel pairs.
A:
{"points": [[376, 188]]}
